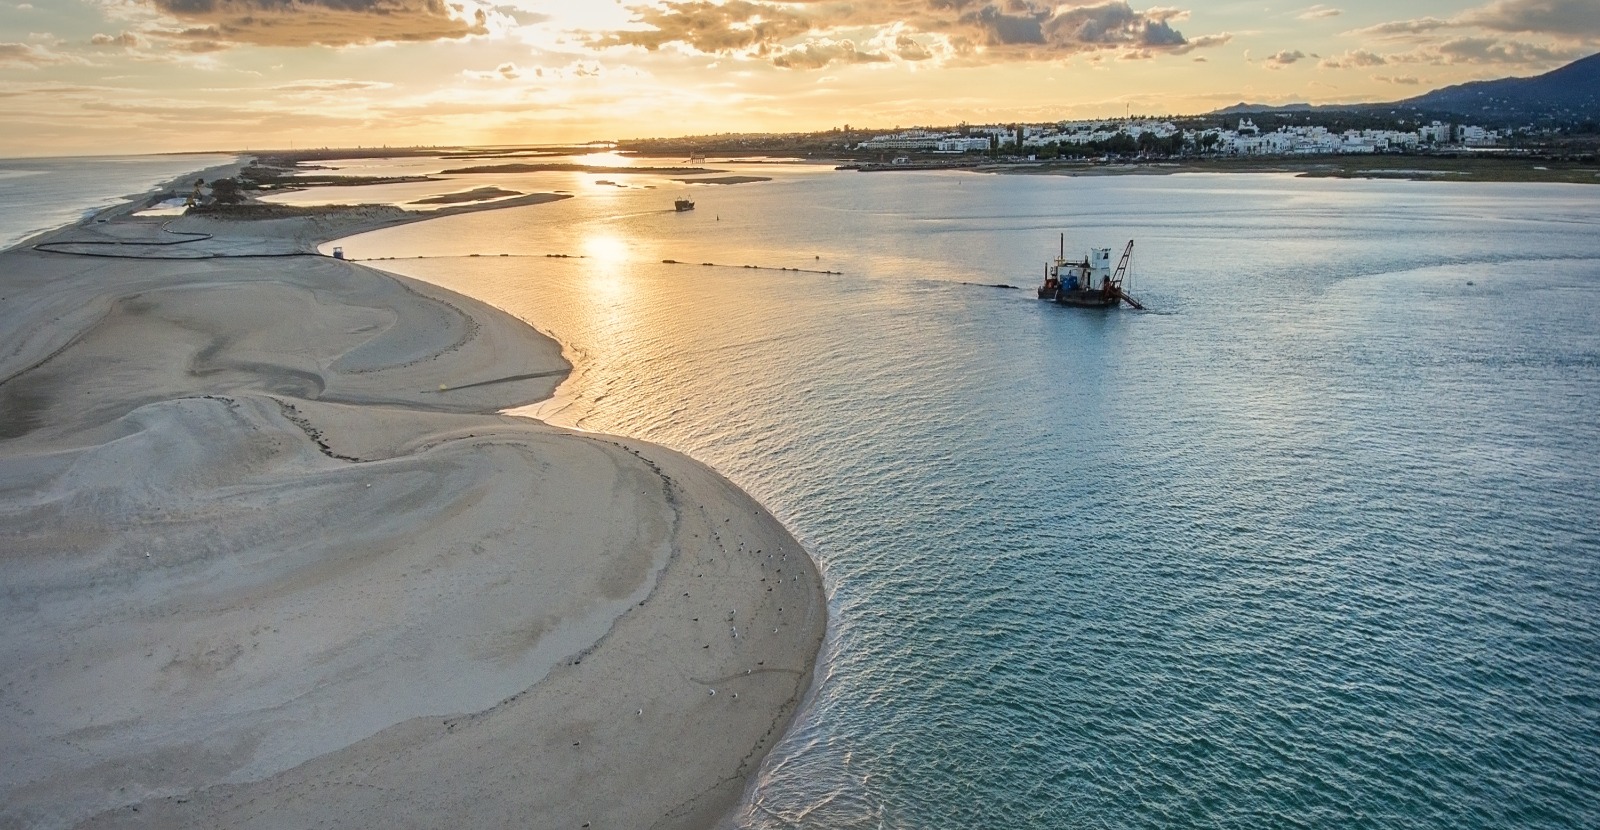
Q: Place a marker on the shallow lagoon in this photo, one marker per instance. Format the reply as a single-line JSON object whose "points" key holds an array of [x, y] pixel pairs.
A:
{"points": [[1309, 543]]}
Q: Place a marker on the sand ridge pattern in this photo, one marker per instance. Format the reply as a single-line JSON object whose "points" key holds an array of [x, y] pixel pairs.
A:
{"points": [[270, 559]]}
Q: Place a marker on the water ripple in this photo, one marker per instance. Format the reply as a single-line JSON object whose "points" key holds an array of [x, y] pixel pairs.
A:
{"points": [[1314, 547]]}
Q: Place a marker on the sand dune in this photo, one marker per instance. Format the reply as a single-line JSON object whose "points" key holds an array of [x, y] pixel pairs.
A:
{"points": [[269, 559]]}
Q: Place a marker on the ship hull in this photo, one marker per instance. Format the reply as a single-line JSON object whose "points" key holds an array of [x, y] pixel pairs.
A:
{"points": [[1088, 299]]}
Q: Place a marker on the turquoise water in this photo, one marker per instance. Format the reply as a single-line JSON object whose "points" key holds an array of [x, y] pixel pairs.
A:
{"points": [[39, 194], [1310, 544]]}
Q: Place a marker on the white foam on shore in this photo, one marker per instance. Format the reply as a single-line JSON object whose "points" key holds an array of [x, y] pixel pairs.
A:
{"points": [[168, 207]]}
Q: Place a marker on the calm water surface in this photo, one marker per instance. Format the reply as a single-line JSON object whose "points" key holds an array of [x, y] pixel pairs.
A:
{"points": [[39, 194], [1312, 543]]}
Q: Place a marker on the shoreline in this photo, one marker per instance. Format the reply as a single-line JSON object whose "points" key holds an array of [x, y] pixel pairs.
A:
{"points": [[274, 556]]}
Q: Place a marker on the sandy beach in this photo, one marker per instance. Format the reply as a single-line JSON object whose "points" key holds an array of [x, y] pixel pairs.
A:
{"points": [[270, 558]]}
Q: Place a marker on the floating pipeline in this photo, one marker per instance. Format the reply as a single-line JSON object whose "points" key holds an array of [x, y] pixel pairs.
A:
{"points": [[465, 256], [581, 256], [755, 267]]}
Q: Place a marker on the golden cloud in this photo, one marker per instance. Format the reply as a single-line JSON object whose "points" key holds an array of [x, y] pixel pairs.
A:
{"points": [[32, 56], [320, 22], [814, 33], [1284, 58]]}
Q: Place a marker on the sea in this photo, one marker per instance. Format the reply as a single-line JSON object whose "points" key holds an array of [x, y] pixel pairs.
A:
{"points": [[41, 194], [1310, 542]]}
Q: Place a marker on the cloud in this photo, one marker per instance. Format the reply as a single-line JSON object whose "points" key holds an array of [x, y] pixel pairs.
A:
{"points": [[1403, 27], [815, 54], [504, 72], [1405, 80], [30, 56], [125, 39], [1284, 58], [1464, 50], [1110, 25], [522, 16], [712, 27], [324, 22], [799, 34], [198, 41], [1203, 42], [1479, 37], [1318, 12], [1492, 50], [509, 71], [908, 49], [1566, 18], [1352, 59], [329, 86]]}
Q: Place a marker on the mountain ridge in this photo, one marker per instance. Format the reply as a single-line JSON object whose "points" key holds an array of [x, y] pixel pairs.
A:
{"points": [[1570, 92]]}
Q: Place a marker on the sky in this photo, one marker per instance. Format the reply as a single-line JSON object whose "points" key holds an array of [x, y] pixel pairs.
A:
{"points": [[138, 76]]}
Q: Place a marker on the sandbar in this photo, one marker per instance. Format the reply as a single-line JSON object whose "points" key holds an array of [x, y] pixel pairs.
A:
{"points": [[271, 558], [727, 180], [568, 167], [478, 194]]}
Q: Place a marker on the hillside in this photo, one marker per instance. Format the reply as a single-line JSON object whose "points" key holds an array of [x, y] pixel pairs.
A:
{"points": [[1569, 94]]}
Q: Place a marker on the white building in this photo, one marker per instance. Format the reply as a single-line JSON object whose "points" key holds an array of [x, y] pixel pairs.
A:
{"points": [[962, 145], [939, 142], [1435, 133], [1479, 137]]}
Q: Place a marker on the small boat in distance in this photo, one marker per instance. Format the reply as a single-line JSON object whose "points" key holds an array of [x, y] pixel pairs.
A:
{"points": [[1090, 283], [683, 203]]}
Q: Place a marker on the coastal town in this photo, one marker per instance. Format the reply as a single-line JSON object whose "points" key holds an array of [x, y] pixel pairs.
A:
{"points": [[1242, 139], [1085, 138]]}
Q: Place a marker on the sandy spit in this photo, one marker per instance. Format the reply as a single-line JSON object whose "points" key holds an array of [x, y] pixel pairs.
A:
{"points": [[269, 558], [727, 180]]}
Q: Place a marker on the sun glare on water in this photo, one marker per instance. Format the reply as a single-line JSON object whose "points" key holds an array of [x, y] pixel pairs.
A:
{"points": [[607, 258]]}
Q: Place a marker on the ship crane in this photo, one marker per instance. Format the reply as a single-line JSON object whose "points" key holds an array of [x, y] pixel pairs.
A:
{"points": [[1121, 273]]}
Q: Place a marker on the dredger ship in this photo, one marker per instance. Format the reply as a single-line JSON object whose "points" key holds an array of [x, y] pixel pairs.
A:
{"points": [[1090, 282]]}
